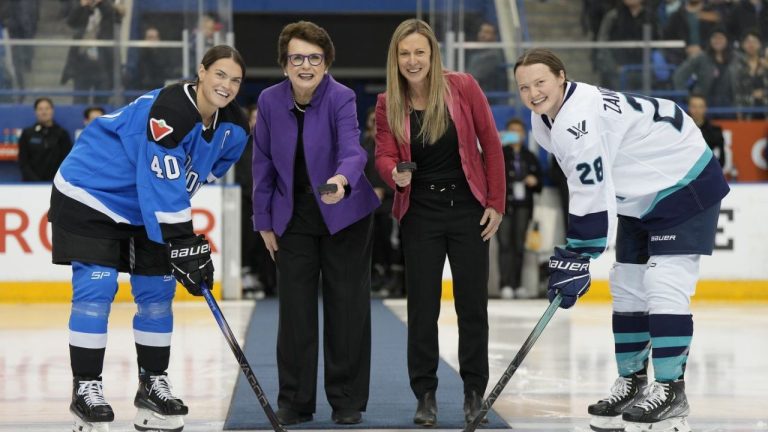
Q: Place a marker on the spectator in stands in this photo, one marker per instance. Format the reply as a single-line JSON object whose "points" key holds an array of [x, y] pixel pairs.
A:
{"points": [[623, 23], [713, 134], [89, 114], [452, 204], [306, 136], [204, 36], [750, 76], [692, 23], [523, 174], [709, 73], [42, 146], [665, 9], [592, 14], [746, 16], [153, 67], [89, 67], [487, 65], [257, 268]]}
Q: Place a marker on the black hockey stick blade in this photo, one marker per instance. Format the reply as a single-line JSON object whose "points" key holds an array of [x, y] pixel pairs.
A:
{"points": [[507, 375], [241, 360]]}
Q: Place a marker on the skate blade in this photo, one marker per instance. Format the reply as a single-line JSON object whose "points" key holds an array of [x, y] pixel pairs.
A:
{"points": [[674, 424], [149, 421], [607, 424], [84, 426]]}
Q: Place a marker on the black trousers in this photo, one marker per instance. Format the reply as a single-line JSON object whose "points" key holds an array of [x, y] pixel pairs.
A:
{"points": [[511, 237], [444, 220], [308, 254]]}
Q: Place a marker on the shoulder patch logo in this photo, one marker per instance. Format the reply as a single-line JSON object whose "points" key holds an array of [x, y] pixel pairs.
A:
{"points": [[579, 130], [159, 128]]}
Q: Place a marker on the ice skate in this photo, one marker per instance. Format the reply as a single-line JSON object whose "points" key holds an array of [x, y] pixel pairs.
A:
{"points": [[606, 413], [664, 408], [92, 413], [159, 409]]}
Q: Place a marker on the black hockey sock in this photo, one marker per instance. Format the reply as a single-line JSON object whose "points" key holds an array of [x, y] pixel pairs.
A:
{"points": [[153, 359], [86, 362]]}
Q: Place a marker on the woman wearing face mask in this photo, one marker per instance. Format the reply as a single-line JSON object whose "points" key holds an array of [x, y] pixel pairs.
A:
{"points": [[450, 205], [306, 135], [523, 175]]}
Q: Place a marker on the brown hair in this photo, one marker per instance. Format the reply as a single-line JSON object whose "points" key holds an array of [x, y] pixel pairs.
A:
{"points": [[436, 117], [221, 52], [309, 32], [543, 56]]}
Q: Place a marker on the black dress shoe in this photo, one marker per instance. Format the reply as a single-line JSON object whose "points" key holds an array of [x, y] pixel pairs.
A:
{"points": [[426, 411], [473, 401], [346, 416], [288, 417]]}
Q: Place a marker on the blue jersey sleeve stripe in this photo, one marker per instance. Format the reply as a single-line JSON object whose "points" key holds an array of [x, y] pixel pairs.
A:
{"points": [[589, 226], [691, 175]]}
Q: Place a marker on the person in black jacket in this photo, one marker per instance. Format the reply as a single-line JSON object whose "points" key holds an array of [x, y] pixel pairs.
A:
{"points": [[42, 146], [713, 134], [523, 174]]}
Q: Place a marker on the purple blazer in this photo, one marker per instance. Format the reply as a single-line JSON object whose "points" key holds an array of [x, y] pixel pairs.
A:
{"points": [[331, 146]]}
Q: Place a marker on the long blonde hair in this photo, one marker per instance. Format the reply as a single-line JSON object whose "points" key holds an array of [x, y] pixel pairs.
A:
{"points": [[436, 116]]}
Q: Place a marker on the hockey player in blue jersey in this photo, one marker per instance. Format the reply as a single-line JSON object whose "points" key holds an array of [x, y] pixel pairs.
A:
{"points": [[121, 203], [643, 160]]}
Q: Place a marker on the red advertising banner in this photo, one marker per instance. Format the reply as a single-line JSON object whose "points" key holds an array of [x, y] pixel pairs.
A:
{"points": [[745, 149]]}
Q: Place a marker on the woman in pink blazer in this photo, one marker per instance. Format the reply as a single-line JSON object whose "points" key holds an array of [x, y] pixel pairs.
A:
{"points": [[451, 204]]}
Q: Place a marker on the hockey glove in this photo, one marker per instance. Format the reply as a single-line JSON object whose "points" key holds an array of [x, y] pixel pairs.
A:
{"points": [[191, 263], [569, 275]]}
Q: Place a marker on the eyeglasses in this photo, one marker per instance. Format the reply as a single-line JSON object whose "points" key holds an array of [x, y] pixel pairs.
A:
{"points": [[298, 59]]}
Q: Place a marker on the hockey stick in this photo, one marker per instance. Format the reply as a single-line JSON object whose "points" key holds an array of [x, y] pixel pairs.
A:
{"points": [[507, 375], [240, 356]]}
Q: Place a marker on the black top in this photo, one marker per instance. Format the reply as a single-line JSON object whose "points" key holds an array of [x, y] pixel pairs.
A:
{"points": [[439, 162], [41, 150], [301, 183]]}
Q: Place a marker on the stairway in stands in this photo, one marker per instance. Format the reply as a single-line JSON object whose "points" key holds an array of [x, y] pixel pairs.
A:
{"points": [[48, 61], [559, 20]]}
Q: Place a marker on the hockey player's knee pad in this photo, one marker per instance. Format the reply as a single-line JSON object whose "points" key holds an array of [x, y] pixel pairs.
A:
{"points": [[670, 281], [154, 318], [627, 291], [153, 322]]}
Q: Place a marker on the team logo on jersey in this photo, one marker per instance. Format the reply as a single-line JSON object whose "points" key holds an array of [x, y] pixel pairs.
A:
{"points": [[159, 128], [579, 130]]}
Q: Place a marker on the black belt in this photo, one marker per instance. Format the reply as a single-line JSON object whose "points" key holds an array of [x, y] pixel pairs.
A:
{"points": [[439, 186]]}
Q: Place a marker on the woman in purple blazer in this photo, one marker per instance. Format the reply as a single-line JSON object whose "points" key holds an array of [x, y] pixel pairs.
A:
{"points": [[306, 135]]}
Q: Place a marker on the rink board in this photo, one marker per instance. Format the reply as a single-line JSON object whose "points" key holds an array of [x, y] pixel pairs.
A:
{"points": [[736, 270]]}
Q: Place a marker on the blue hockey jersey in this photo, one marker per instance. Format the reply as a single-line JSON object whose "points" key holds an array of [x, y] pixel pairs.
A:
{"points": [[140, 165]]}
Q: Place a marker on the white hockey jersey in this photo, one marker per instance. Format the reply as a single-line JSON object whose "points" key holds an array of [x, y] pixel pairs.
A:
{"points": [[627, 154]]}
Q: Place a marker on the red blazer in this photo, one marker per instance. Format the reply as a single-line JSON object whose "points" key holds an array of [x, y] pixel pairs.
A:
{"points": [[483, 166]]}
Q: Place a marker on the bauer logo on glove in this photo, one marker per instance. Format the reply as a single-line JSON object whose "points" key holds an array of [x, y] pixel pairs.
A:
{"points": [[569, 275], [191, 263], [191, 251]]}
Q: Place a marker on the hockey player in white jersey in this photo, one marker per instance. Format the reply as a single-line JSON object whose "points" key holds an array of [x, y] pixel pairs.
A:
{"points": [[644, 160], [121, 203]]}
